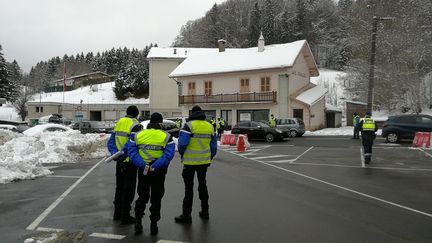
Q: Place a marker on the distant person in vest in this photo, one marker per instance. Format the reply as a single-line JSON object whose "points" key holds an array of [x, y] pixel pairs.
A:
{"points": [[151, 151], [356, 121], [368, 127], [220, 126], [197, 145], [213, 122], [178, 123], [125, 171], [272, 121]]}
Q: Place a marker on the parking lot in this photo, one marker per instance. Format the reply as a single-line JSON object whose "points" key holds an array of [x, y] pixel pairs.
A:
{"points": [[308, 189]]}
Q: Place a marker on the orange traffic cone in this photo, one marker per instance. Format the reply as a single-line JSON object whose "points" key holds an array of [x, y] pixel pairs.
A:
{"points": [[241, 145]]}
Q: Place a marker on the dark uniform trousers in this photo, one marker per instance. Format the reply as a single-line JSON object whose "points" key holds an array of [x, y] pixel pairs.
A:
{"points": [[356, 132], [188, 177], [125, 186], [150, 186], [367, 141]]}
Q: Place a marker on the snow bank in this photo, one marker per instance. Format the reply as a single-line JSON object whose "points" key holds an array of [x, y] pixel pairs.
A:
{"points": [[22, 157], [340, 131], [8, 113]]}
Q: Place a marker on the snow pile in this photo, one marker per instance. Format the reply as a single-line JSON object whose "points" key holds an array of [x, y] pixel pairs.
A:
{"points": [[6, 135], [8, 113], [22, 157]]}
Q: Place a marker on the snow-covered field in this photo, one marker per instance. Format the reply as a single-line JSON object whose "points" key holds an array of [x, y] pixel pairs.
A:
{"points": [[341, 131], [22, 157]]}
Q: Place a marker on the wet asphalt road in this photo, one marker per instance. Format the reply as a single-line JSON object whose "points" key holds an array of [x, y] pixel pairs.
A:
{"points": [[309, 189]]}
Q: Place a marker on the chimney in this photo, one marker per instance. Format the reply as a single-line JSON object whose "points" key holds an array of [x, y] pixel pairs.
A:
{"points": [[221, 44], [175, 51], [261, 43]]}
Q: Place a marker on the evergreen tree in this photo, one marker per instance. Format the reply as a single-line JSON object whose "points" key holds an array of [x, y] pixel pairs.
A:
{"points": [[8, 90], [268, 22], [254, 25]]}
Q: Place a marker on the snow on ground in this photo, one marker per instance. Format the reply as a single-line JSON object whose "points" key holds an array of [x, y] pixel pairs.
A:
{"points": [[8, 113], [22, 156], [96, 94], [340, 131]]}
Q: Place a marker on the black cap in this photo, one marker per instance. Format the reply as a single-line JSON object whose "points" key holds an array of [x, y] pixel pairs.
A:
{"points": [[368, 113], [156, 118], [132, 111], [196, 109], [355, 114]]}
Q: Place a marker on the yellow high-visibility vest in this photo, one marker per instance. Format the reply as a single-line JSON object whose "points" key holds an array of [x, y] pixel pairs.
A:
{"points": [[368, 125], [198, 150], [122, 130], [151, 143]]}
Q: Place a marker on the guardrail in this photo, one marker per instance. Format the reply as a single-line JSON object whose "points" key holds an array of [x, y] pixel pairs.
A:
{"points": [[229, 98]]}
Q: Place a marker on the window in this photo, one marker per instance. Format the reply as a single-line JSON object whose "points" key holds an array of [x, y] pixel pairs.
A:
{"points": [[39, 109], [244, 85], [208, 87], [191, 88], [265, 84]]}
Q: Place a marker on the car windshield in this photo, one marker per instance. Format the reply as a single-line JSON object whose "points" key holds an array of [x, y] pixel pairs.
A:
{"points": [[262, 124]]}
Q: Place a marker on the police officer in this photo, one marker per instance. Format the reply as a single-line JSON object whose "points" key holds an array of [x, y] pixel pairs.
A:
{"points": [[197, 145], [213, 122], [356, 121], [272, 121], [151, 151], [368, 127], [178, 123], [125, 171], [220, 126]]}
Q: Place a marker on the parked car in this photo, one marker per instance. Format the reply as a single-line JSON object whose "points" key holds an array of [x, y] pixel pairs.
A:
{"points": [[167, 125], [183, 120], [50, 127], [259, 130], [92, 127], [9, 127], [295, 127], [405, 126]]}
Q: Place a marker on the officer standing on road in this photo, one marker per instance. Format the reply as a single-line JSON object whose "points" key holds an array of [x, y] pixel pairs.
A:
{"points": [[197, 145], [272, 121], [151, 151], [356, 121], [125, 171], [368, 127], [220, 126], [213, 122]]}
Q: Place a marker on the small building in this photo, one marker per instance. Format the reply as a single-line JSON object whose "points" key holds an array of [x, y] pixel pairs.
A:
{"points": [[77, 81], [333, 116], [354, 106]]}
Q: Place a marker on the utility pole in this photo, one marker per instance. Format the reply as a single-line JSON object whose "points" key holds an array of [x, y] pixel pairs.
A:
{"points": [[375, 20]]}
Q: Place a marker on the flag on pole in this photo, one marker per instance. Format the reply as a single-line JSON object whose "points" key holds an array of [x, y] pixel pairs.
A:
{"points": [[64, 78]]}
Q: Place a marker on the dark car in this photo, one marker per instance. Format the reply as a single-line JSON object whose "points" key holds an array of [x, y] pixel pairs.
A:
{"points": [[405, 126], [295, 127], [258, 130], [91, 127]]}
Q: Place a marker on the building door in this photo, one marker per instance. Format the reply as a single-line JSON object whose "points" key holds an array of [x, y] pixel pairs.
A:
{"points": [[95, 116], [330, 117], [298, 113], [244, 88], [226, 115]]}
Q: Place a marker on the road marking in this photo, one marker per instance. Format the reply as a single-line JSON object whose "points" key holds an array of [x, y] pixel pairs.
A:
{"points": [[427, 154], [63, 176], [361, 167], [342, 188], [45, 213], [302, 154], [170, 241], [361, 157], [108, 236], [43, 229], [270, 156]]}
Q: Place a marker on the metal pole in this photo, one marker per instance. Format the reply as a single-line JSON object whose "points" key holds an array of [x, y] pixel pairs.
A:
{"points": [[372, 64]]}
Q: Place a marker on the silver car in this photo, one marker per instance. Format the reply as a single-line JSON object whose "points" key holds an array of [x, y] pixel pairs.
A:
{"points": [[295, 127]]}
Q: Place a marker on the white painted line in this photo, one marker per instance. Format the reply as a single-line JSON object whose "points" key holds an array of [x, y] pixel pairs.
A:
{"points": [[63, 176], [271, 156], [302, 154], [281, 161], [45, 213], [43, 229], [170, 241], [107, 236], [361, 157], [361, 167], [279, 145], [427, 154], [344, 188]]}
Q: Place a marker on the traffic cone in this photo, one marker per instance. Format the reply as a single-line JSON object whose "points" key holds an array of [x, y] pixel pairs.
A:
{"points": [[241, 145]]}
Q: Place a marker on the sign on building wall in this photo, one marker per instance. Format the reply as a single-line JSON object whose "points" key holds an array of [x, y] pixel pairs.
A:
{"points": [[245, 117]]}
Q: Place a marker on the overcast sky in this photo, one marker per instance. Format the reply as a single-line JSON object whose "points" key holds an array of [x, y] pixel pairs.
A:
{"points": [[36, 30]]}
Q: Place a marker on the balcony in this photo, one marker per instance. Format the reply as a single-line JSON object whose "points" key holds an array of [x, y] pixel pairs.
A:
{"points": [[255, 97]]}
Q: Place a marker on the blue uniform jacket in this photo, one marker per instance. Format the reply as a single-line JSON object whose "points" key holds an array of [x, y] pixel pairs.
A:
{"points": [[112, 148], [162, 162]]}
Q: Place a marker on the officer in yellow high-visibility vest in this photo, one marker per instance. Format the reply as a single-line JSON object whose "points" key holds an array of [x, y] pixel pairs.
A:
{"points": [[125, 171], [197, 145], [178, 123], [272, 121], [151, 151], [356, 121], [368, 127]]}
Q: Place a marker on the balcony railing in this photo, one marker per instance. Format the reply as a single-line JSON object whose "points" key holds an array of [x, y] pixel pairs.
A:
{"points": [[255, 97]]}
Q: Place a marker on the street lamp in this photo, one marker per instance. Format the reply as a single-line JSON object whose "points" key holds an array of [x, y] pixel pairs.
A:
{"points": [[375, 20]]}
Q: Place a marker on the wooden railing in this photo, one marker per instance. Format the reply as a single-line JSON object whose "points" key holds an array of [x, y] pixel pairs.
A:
{"points": [[255, 97]]}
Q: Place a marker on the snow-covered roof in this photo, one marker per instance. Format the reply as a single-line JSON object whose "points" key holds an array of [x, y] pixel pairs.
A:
{"points": [[330, 107], [273, 56], [8, 113], [181, 52], [312, 95], [103, 94], [356, 102], [81, 75]]}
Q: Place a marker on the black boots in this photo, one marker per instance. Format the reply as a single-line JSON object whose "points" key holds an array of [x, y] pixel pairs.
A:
{"points": [[154, 228], [117, 214], [183, 219], [367, 159], [138, 226], [127, 219], [204, 214]]}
